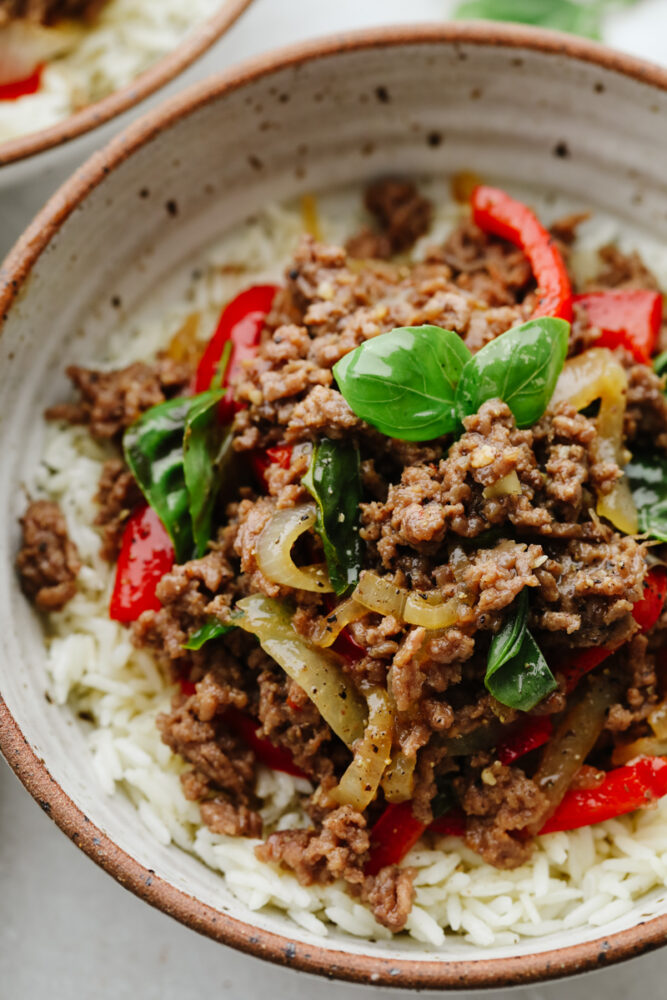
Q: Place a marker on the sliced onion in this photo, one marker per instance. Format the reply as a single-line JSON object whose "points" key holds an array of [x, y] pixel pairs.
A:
{"points": [[430, 611], [372, 754], [379, 594], [317, 671], [657, 720], [646, 747], [509, 485], [346, 612], [398, 780], [274, 551], [571, 744], [598, 374], [24, 46], [425, 608], [483, 738]]}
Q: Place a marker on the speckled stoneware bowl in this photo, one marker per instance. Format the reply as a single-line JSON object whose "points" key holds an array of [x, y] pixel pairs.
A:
{"points": [[157, 76], [508, 103]]}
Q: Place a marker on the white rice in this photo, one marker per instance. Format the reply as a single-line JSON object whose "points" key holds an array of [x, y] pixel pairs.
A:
{"points": [[587, 878], [127, 38]]}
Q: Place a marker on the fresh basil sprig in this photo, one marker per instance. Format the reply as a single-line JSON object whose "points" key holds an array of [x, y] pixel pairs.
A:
{"points": [[660, 364], [648, 480], [213, 629], [206, 446], [418, 383], [517, 675], [404, 382], [334, 481], [521, 367], [563, 15], [174, 451]]}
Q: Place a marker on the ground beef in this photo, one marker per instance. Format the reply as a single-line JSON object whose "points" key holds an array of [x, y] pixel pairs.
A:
{"points": [[290, 719], [646, 409], [117, 496], [492, 270], [48, 11], [594, 587], [338, 850], [621, 270], [111, 401], [402, 214], [329, 306], [48, 561], [187, 595], [222, 767], [501, 802], [390, 894]]}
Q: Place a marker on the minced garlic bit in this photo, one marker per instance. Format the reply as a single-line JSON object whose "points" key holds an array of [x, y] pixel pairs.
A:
{"points": [[482, 456]]}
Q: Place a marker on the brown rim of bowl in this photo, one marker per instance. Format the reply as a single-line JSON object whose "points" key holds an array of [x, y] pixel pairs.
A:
{"points": [[403, 973], [158, 75]]}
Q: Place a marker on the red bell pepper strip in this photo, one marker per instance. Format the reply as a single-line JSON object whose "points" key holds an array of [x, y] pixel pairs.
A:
{"points": [[623, 790], [645, 612], [240, 325], [397, 831], [495, 212], [277, 758], [451, 824], [262, 460], [347, 647], [629, 318], [534, 732], [394, 834], [648, 608], [22, 88], [146, 554]]}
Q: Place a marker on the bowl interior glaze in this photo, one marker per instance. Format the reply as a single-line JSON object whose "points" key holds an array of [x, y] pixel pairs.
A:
{"points": [[511, 104]]}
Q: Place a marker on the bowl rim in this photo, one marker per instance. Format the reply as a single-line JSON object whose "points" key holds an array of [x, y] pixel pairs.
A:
{"points": [[406, 973], [160, 73]]}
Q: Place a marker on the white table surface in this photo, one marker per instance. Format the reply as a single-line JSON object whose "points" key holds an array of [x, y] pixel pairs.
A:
{"points": [[67, 930]]}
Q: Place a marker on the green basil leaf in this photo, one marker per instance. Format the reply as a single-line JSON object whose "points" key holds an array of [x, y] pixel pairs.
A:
{"points": [[444, 799], [660, 364], [520, 367], [648, 480], [206, 447], [213, 629], [334, 480], [507, 642], [175, 452], [404, 382], [154, 452], [524, 680], [562, 15]]}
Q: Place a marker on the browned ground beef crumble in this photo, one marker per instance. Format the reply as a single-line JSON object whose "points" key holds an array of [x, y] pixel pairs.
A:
{"points": [[426, 521]]}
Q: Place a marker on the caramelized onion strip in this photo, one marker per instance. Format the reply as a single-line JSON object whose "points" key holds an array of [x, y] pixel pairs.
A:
{"points": [[274, 551], [372, 753], [425, 608], [572, 742], [346, 612], [317, 671], [598, 374], [398, 780]]}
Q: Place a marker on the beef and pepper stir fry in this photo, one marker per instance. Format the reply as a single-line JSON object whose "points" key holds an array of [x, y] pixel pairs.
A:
{"points": [[399, 532]]}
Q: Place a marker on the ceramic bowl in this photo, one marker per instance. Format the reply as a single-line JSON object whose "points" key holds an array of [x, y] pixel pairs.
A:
{"points": [[511, 104], [33, 165], [94, 115]]}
